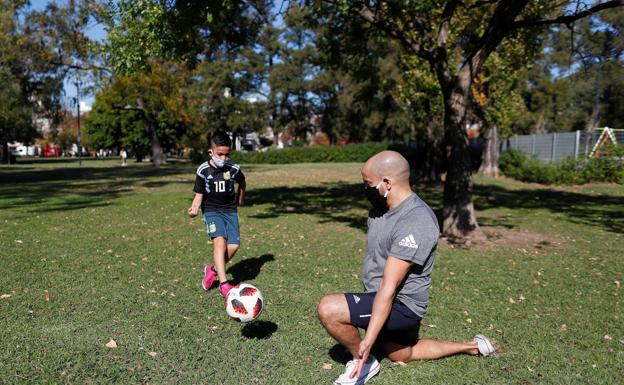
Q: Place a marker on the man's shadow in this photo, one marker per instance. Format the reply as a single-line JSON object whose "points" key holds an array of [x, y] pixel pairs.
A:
{"points": [[248, 269]]}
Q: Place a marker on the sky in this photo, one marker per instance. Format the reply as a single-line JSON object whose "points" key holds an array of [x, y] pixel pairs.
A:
{"points": [[95, 32]]}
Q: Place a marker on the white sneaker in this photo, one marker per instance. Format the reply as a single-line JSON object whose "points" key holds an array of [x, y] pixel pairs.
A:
{"points": [[369, 370], [484, 345]]}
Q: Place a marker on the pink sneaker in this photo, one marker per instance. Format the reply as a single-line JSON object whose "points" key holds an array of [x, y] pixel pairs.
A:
{"points": [[224, 288], [209, 277]]}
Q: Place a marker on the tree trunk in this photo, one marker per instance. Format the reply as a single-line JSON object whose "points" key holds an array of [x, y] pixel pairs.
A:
{"points": [[158, 156], [431, 168], [5, 152], [458, 215], [491, 153]]}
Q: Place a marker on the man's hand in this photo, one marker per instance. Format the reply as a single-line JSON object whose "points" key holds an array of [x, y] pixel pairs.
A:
{"points": [[363, 353], [193, 211]]}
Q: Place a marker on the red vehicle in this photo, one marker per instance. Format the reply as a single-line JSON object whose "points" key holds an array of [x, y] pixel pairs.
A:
{"points": [[50, 151]]}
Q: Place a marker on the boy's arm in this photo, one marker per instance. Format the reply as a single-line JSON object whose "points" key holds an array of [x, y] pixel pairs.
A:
{"points": [[240, 198], [195, 205]]}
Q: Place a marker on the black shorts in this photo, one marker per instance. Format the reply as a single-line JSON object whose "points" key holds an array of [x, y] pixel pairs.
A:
{"points": [[401, 327]]}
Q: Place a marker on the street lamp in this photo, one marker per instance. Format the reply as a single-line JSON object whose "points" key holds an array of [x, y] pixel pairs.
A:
{"points": [[78, 121]]}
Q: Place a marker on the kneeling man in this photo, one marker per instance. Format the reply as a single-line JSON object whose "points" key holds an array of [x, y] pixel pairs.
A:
{"points": [[400, 252]]}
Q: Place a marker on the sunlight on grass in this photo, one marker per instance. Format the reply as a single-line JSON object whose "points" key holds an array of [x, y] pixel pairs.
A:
{"points": [[100, 252]]}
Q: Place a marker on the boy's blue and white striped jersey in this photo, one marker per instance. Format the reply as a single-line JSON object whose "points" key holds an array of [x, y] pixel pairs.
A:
{"points": [[217, 185]]}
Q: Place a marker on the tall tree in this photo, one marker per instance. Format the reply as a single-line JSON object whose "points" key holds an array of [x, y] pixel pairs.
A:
{"points": [[144, 32], [456, 38]]}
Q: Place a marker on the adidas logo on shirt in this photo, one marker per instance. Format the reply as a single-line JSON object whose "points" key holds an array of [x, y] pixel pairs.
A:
{"points": [[408, 241]]}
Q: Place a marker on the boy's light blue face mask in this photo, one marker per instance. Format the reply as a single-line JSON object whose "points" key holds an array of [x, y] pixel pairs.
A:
{"points": [[218, 162]]}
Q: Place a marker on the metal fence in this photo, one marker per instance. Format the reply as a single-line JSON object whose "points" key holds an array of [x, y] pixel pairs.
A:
{"points": [[557, 146]]}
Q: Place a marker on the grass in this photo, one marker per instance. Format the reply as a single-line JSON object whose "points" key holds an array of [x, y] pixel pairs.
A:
{"points": [[99, 252]]}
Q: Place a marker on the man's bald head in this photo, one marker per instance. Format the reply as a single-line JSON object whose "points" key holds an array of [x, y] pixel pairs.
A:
{"points": [[387, 164]]}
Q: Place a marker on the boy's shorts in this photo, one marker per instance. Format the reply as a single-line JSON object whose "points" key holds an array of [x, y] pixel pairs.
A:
{"points": [[401, 327], [223, 225]]}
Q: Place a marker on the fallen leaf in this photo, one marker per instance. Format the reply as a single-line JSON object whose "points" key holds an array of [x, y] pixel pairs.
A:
{"points": [[431, 326], [594, 366], [111, 344], [152, 354], [511, 300], [214, 329], [18, 241], [5, 296], [47, 296], [617, 284], [327, 366]]}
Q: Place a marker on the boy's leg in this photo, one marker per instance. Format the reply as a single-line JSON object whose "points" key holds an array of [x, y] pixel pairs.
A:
{"points": [[220, 248], [231, 250]]}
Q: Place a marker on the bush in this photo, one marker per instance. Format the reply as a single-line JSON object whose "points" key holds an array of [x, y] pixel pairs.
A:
{"points": [[608, 168], [349, 153]]}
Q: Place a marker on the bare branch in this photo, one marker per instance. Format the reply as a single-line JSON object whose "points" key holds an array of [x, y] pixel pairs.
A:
{"points": [[569, 19], [89, 67]]}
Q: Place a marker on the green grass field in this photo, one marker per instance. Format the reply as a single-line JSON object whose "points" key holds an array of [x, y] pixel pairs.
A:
{"points": [[102, 252]]}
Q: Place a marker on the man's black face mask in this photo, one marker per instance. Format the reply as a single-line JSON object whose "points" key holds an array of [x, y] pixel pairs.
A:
{"points": [[378, 202]]}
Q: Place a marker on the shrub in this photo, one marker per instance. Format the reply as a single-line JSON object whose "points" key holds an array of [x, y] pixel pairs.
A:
{"points": [[608, 168], [349, 153]]}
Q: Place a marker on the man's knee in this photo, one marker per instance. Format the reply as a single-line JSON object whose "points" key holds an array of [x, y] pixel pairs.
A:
{"points": [[332, 307]]}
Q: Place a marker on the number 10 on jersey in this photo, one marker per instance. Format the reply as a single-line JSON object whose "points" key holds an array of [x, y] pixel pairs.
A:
{"points": [[219, 186]]}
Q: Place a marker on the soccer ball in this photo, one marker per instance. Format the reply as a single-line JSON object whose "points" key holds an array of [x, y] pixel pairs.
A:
{"points": [[244, 302]]}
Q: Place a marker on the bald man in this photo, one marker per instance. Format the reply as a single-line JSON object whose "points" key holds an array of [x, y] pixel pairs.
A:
{"points": [[401, 244]]}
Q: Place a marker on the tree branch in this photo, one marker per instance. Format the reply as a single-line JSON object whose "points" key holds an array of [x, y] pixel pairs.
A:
{"points": [[80, 67], [569, 19], [368, 15], [499, 26]]}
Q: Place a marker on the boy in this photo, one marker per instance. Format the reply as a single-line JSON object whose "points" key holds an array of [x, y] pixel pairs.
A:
{"points": [[214, 193]]}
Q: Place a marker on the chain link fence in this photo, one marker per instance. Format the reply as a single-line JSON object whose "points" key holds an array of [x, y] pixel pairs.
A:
{"points": [[557, 146]]}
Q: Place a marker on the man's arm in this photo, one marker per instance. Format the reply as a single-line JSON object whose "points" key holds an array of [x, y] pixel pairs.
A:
{"points": [[395, 271], [195, 205]]}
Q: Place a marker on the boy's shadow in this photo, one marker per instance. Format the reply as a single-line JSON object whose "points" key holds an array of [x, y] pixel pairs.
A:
{"points": [[248, 269]]}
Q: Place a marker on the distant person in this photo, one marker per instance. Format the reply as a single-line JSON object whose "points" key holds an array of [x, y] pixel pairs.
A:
{"points": [[215, 195], [124, 155], [401, 246]]}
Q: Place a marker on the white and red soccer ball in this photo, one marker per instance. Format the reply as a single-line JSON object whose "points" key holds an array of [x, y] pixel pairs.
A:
{"points": [[244, 302]]}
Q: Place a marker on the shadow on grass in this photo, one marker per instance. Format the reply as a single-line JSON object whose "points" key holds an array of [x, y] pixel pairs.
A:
{"points": [[248, 269], [605, 211], [339, 354], [58, 189], [331, 202], [259, 330]]}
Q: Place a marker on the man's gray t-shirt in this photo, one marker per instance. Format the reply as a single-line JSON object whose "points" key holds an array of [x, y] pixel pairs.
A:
{"points": [[409, 232]]}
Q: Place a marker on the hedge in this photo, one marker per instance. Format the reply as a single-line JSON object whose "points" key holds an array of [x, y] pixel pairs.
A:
{"points": [[349, 153], [607, 168]]}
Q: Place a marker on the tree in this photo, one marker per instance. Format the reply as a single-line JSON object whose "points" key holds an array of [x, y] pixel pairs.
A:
{"points": [[29, 87], [118, 121], [147, 32], [456, 38]]}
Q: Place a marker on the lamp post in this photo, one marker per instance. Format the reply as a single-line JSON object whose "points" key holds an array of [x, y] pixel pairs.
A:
{"points": [[78, 121]]}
